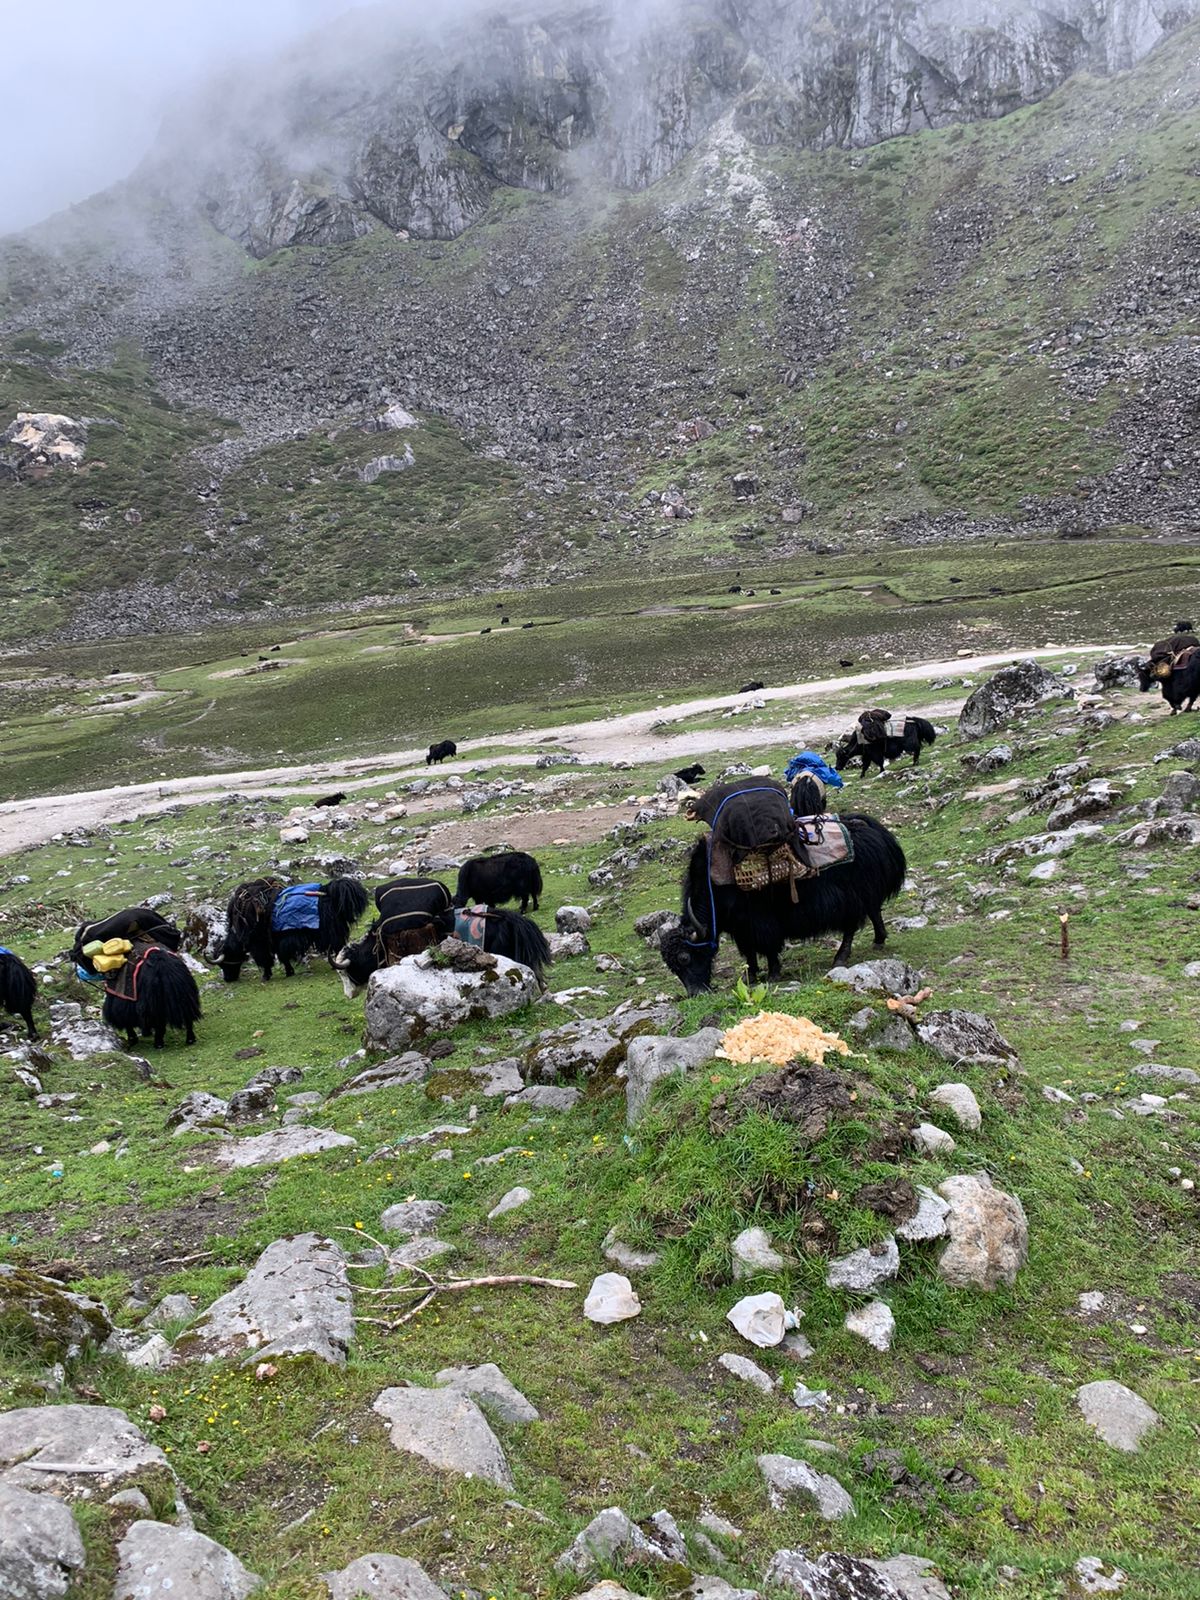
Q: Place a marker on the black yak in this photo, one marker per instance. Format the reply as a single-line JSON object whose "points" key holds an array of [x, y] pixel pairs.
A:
{"points": [[1167, 651], [762, 921], [491, 880], [18, 986], [916, 734], [1179, 679], [267, 919], [441, 752], [413, 914], [426, 917], [152, 992], [752, 688], [690, 774], [131, 923], [331, 799]]}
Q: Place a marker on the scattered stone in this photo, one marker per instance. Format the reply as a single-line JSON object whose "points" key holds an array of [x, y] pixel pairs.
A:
{"points": [[40, 1545], [628, 1259], [989, 1236], [1093, 1577], [965, 1037], [155, 1558], [398, 1072], [446, 1428], [280, 1144], [959, 1100], [864, 1270], [412, 1219], [1091, 1301], [51, 1322], [198, 1110], [294, 1301], [566, 946], [96, 1449], [719, 1525], [250, 1103], [749, 1371], [572, 919], [417, 1251], [80, 1036], [1155, 1069], [932, 1141], [1012, 690], [614, 1538], [499, 1077], [544, 1097], [488, 1385], [1119, 1416], [842, 1577], [884, 976], [510, 1201], [382, 1578], [797, 1347], [806, 1399], [930, 1220], [419, 996], [753, 1253], [874, 1323], [611, 1299], [763, 1319], [133, 1498], [650, 1059], [786, 1478]]}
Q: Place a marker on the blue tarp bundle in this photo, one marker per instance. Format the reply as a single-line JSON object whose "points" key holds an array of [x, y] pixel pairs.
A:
{"points": [[470, 925], [810, 761], [297, 907]]}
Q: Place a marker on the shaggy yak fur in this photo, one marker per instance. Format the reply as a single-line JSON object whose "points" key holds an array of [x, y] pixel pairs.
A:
{"points": [[251, 933], [440, 752], [752, 688], [760, 922], [18, 986], [690, 774], [427, 917], [1170, 649], [162, 994], [491, 880], [132, 923], [413, 914], [331, 799], [1180, 685], [917, 733]]}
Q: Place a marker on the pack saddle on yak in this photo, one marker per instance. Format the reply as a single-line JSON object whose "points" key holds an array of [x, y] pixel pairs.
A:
{"points": [[755, 841]]}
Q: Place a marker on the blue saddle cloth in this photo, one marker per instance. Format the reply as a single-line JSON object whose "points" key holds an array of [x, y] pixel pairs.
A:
{"points": [[297, 907]]}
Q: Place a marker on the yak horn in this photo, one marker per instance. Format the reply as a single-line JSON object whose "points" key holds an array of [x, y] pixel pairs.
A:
{"points": [[340, 961]]}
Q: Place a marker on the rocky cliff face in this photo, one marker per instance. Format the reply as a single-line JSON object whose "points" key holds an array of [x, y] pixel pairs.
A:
{"points": [[371, 125]]}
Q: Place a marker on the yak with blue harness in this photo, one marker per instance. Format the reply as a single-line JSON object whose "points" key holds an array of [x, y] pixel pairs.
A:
{"points": [[268, 920], [18, 987]]}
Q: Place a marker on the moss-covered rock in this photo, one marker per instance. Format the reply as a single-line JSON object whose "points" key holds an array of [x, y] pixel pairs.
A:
{"points": [[38, 1315]]}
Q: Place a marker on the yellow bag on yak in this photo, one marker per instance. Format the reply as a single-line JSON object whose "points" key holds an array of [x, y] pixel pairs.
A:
{"points": [[112, 955]]}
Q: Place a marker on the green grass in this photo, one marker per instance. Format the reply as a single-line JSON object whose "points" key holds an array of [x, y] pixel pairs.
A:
{"points": [[638, 1414]]}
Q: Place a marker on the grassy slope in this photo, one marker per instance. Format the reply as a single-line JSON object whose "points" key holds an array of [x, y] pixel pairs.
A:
{"points": [[971, 264], [638, 1414]]}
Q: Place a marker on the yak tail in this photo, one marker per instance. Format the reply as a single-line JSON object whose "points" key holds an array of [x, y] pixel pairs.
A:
{"points": [[926, 732], [18, 986], [520, 939], [343, 901], [537, 885], [167, 995]]}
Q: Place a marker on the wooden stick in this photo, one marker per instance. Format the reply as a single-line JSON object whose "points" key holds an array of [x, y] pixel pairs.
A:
{"points": [[1065, 924], [430, 1291]]}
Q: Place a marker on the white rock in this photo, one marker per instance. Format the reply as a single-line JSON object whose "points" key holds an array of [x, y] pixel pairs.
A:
{"points": [[763, 1319], [650, 1058], [417, 996], [864, 1270], [930, 1219], [749, 1371], [625, 1257], [383, 1578], [1117, 1414], [1092, 1577], [446, 1428], [989, 1236], [611, 1299], [155, 1559], [280, 1144], [959, 1100], [97, 1447], [510, 1202], [488, 1385], [413, 1219], [293, 834], [874, 1323], [931, 1141], [40, 1545], [753, 1253], [787, 1478]]}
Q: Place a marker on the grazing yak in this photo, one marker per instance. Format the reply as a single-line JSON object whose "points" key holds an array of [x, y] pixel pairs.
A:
{"points": [[1178, 677], [152, 992], [491, 880], [752, 688], [267, 919], [418, 912], [18, 986], [690, 774], [915, 734], [441, 752], [331, 799], [762, 921]]}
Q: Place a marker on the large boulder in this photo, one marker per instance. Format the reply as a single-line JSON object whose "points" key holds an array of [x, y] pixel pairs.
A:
{"points": [[40, 1545], [156, 1559], [294, 1301], [382, 1578], [82, 1037], [989, 1236], [833, 1576], [965, 1037], [887, 975], [649, 1059], [1012, 690], [75, 1452], [44, 439], [422, 994], [280, 1144], [446, 1428], [46, 1320]]}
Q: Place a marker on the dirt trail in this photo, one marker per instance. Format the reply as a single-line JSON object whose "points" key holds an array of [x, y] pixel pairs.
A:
{"points": [[631, 737]]}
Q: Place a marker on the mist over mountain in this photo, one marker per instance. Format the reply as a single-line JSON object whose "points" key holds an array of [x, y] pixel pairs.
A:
{"points": [[703, 279]]}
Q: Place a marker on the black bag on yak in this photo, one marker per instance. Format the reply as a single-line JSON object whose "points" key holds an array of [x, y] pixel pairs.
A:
{"points": [[753, 840]]}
